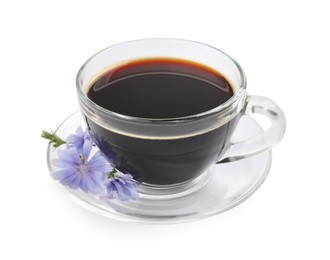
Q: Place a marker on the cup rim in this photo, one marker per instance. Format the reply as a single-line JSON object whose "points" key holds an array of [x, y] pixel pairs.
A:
{"points": [[223, 106]]}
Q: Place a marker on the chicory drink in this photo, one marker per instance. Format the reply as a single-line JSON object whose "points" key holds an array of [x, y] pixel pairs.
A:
{"points": [[161, 88]]}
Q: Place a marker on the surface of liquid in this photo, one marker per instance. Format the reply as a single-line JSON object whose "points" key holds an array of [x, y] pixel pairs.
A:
{"points": [[160, 88]]}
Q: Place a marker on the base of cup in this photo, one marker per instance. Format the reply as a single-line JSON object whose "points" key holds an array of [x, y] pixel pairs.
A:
{"points": [[161, 192], [221, 187]]}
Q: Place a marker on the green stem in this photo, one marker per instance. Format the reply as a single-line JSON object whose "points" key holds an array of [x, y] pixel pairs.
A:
{"points": [[53, 138]]}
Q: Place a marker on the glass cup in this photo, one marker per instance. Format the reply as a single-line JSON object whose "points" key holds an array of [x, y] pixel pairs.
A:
{"points": [[172, 152]]}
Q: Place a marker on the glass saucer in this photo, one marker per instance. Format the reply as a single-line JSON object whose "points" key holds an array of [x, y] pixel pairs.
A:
{"points": [[222, 187]]}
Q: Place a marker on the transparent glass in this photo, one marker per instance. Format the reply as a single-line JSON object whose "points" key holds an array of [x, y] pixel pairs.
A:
{"points": [[225, 116]]}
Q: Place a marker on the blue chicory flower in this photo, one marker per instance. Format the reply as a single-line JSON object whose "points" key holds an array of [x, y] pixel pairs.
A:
{"points": [[121, 186], [78, 139], [93, 173], [78, 170]]}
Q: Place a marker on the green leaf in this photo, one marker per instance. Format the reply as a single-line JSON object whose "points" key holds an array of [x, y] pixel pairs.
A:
{"points": [[112, 174]]}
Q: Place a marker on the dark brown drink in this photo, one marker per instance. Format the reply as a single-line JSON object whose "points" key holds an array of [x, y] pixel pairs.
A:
{"points": [[161, 88]]}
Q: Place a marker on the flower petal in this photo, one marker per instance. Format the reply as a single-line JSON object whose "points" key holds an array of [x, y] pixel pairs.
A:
{"points": [[111, 191], [98, 156], [97, 160], [75, 184], [83, 184], [105, 168], [73, 139], [94, 185], [74, 155], [70, 155], [79, 131], [99, 164], [64, 164], [78, 139], [97, 175], [122, 187], [70, 181], [87, 148], [62, 174], [131, 191], [120, 191]]}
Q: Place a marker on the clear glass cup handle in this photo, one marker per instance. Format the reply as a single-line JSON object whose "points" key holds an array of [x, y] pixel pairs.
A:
{"points": [[263, 141]]}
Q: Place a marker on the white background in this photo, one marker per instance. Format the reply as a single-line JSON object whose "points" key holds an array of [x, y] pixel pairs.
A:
{"points": [[283, 47]]}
